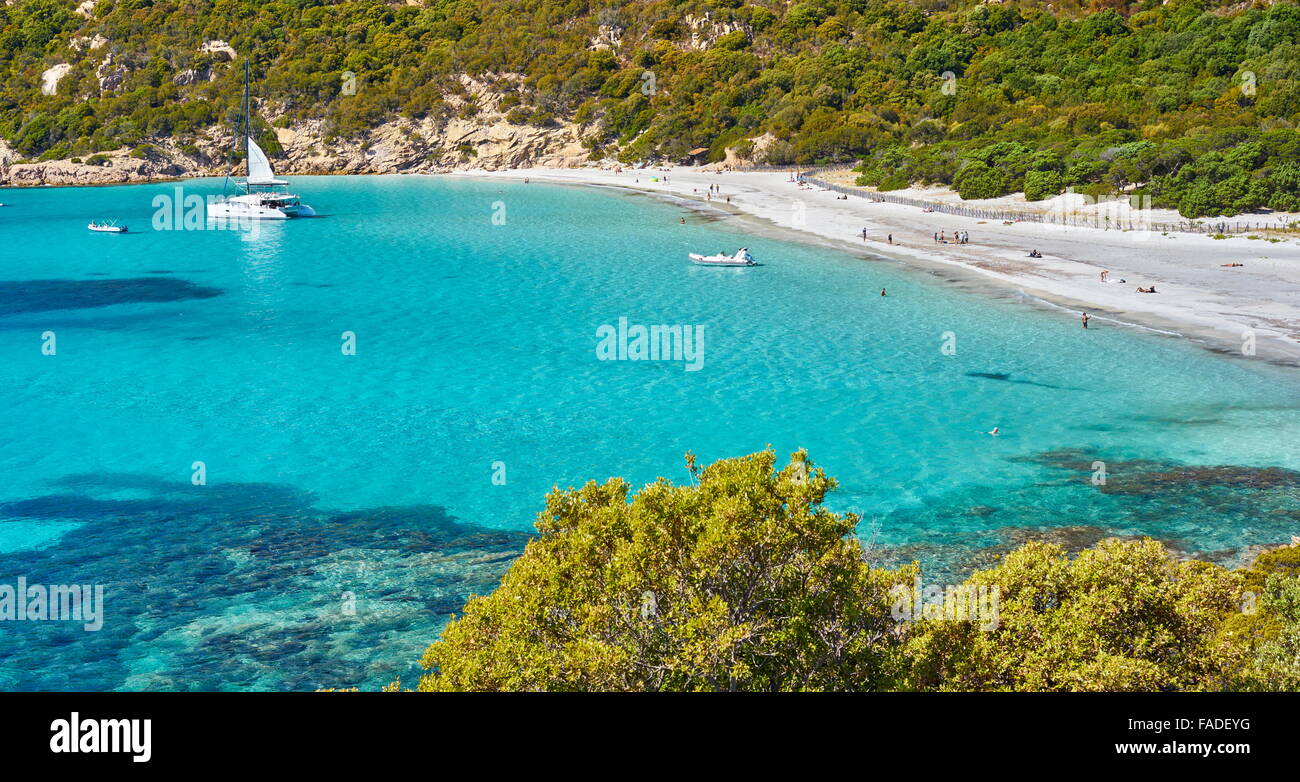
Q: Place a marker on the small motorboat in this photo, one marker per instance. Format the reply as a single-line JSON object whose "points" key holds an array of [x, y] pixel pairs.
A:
{"points": [[109, 227], [741, 258]]}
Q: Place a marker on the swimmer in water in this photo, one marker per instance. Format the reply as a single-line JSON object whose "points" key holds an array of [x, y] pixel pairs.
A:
{"points": [[993, 431]]}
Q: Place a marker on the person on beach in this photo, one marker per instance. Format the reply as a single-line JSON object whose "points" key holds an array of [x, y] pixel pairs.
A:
{"points": [[1085, 318], [1104, 275], [864, 233], [891, 238]]}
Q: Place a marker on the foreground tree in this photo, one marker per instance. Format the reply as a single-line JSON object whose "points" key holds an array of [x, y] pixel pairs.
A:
{"points": [[1124, 615], [742, 581]]}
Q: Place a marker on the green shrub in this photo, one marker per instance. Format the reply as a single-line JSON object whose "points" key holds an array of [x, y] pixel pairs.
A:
{"points": [[1043, 184]]}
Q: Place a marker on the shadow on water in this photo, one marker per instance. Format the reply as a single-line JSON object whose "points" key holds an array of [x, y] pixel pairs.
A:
{"points": [[19, 296], [240, 586], [1006, 377]]}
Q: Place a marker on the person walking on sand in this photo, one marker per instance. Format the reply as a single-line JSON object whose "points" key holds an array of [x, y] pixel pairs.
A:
{"points": [[891, 238], [1085, 318], [864, 233], [1104, 274]]}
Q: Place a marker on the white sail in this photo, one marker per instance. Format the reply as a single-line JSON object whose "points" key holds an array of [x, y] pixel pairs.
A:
{"points": [[259, 168]]}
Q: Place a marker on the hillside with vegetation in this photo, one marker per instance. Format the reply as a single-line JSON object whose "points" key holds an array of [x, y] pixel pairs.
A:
{"points": [[1192, 102]]}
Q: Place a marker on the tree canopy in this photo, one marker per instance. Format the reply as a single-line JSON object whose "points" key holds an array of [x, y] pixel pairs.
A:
{"points": [[742, 580]]}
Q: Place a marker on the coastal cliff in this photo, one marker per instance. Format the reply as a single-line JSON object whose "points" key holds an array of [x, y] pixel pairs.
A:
{"points": [[486, 140]]}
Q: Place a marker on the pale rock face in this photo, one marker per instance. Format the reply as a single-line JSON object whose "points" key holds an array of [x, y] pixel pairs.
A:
{"points": [[189, 76], [121, 167], [218, 47], [401, 145], [607, 37], [86, 9], [734, 160], [50, 79], [85, 43], [704, 30], [110, 75]]}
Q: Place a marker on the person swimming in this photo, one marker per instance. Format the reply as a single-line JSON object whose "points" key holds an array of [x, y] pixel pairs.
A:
{"points": [[994, 432]]}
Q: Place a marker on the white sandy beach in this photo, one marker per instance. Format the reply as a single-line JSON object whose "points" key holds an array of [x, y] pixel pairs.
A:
{"points": [[1198, 297]]}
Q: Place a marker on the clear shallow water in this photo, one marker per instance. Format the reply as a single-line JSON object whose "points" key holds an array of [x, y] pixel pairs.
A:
{"points": [[476, 343]]}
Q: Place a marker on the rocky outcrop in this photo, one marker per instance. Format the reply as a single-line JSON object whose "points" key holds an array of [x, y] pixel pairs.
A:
{"points": [[425, 147], [191, 75], [219, 47], [705, 30], [110, 74], [117, 167], [50, 78], [745, 153], [87, 43], [483, 140]]}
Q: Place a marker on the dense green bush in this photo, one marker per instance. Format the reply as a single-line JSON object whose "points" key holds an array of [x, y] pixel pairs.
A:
{"points": [[743, 580], [1043, 184]]}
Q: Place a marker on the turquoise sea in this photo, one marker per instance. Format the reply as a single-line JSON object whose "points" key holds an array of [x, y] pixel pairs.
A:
{"points": [[349, 501]]}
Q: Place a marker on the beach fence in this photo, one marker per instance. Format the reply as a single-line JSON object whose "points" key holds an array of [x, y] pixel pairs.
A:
{"points": [[1118, 222]]}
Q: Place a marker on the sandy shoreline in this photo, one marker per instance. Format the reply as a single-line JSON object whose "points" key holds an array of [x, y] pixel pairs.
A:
{"points": [[1220, 307]]}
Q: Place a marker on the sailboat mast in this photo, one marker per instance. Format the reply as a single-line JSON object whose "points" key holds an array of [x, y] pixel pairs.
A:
{"points": [[248, 125]]}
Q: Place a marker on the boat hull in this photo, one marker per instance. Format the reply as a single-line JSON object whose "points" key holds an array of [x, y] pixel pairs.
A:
{"points": [[700, 260], [222, 211]]}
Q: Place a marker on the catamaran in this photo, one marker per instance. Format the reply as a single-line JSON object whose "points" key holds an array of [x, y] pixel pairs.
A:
{"points": [[741, 258], [264, 197]]}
